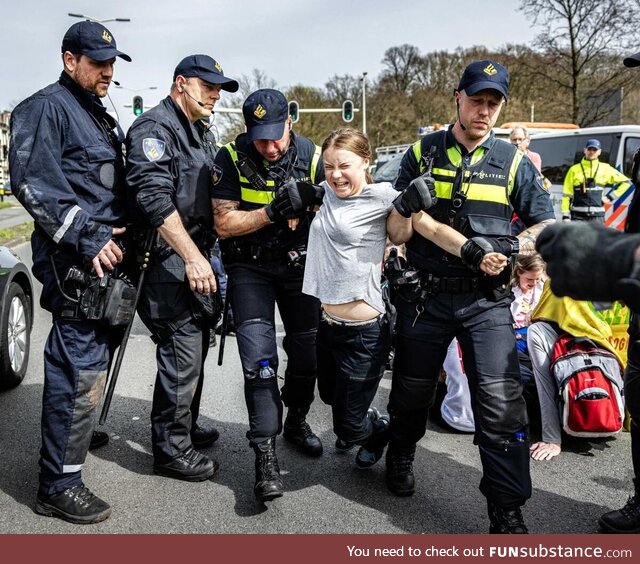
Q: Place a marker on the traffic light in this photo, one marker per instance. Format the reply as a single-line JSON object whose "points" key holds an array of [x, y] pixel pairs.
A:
{"points": [[294, 111], [347, 110], [138, 106]]}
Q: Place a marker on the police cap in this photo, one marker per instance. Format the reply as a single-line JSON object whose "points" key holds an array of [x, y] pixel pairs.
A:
{"points": [[485, 75], [206, 68], [593, 144], [93, 40], [265, 113]]}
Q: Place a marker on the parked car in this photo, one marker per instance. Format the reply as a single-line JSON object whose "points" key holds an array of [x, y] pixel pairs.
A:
{"points": [[6, 189], [16, 318], [388, 171]]}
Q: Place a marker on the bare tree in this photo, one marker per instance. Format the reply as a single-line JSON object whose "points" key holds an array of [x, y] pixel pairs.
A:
{"points": [[582, 43], [402, 67], [345, 87]]}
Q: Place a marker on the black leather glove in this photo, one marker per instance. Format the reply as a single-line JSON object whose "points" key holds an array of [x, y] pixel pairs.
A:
{"points": [[292, 200], [473, 251], [591, 262], [420, 195]]}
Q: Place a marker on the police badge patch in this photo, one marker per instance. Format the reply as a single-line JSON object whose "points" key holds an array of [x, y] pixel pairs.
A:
{"points": [[216, 174], [540, 182], [153, 148]]}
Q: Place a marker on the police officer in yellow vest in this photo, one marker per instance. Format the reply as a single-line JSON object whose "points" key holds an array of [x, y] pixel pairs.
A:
{"points": [[587, 183], [261, 216], [480, 181]]}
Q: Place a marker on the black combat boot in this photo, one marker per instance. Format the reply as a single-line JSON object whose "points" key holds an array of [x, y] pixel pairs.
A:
{"points": [[298, 432], [506, 521], [76, 505], [268, 482], [625, 520], [191, 465], [399, 477]]}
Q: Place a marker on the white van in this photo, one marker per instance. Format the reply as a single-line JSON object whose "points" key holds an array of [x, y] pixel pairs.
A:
{"points": [[562, 149]]}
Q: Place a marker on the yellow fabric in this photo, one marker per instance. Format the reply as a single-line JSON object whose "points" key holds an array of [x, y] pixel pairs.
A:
{"points": [[577, 318], [314, 163]]}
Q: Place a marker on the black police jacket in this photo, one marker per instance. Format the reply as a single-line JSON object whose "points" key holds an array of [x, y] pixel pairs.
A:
{"points": [[302, 161], [67, 171], [169, 169]]}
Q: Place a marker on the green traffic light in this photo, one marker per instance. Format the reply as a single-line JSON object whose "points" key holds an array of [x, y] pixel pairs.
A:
{"points": [[138, 105], [347, 110], [294, 111]]}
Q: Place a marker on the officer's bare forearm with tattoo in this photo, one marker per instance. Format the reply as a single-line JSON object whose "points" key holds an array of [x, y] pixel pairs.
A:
{"points": [[197, 267], [232, 222], [528, 237]]}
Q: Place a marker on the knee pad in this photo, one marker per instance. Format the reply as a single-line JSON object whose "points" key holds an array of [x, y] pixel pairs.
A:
{"points": [[256, 341], [301, 351], [500, 412], [409, 393]]}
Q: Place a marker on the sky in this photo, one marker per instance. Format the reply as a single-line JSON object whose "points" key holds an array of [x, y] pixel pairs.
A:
{"points": [[291, 41]]}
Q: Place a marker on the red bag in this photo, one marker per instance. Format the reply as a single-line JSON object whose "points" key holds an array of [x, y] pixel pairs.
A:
{"points": [[590, 384]]}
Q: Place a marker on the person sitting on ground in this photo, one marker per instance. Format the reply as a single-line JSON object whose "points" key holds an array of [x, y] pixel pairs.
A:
{"points": [[551, 318]]}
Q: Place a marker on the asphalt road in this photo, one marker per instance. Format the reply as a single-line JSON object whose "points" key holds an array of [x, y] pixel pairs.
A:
{"points": [[324, 495]]}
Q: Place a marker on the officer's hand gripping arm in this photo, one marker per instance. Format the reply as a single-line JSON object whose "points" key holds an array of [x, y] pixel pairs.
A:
{"points": [[293, 199], [420, 195]]}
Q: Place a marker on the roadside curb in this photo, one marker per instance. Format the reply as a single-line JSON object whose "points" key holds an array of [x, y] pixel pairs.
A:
{"points": [[17, 234], [13, 243]]}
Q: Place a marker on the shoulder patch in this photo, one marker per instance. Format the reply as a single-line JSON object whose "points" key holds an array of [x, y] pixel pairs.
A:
{"points": [[153, 148], [541, 182], [216, 174]]}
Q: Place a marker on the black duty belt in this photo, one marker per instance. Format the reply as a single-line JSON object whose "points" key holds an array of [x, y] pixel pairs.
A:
{"points": [[239, 252], [449, 284]]}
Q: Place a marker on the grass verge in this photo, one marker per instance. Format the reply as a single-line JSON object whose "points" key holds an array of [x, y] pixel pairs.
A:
{"points": [[17, 232]]}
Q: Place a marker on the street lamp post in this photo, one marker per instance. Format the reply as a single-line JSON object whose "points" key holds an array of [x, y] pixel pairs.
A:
{"points": [[364, 102], [92, 19]]}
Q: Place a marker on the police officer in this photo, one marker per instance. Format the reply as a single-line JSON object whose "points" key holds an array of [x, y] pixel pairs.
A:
{"points": [[169, 161], [263, 249], [610, 262], [480, 182], [583, 195], [67, 170]]}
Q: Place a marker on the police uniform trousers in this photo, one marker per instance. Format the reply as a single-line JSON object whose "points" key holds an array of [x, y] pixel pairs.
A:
{"points": [[180, 354], [76, 362], [254, 291], [632, 393], [484, 331]]}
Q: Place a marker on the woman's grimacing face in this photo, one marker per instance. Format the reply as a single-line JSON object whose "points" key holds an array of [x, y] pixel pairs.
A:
{"points": [[345, 171]]}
